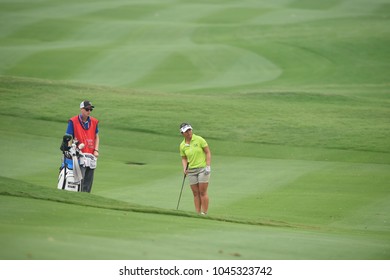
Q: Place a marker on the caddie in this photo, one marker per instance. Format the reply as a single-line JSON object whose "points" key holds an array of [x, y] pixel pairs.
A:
{"points": [[85, 129]]}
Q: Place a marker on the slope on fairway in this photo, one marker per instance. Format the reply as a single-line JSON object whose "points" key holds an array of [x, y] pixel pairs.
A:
{"points": [[42, 223], [268, 200]]}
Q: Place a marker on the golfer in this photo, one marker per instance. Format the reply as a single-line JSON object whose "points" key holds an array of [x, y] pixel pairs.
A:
{"points": [[195, 152], [85, 129]]}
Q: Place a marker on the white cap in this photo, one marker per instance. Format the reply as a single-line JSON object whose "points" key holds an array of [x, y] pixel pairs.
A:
{"points": [[185, 127]]}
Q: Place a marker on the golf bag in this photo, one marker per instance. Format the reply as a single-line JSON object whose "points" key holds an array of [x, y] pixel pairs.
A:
{"points": [[66, 180], [70, 176]]}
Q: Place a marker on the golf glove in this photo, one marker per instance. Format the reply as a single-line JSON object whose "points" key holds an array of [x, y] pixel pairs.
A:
{"points": [[207, 170]]}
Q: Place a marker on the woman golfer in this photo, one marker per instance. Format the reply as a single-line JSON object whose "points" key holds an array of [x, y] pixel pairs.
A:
{"points": [[195, 152]]}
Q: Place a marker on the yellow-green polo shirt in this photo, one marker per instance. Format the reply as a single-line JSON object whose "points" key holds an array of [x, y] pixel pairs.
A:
{"points": [[194, 151]]}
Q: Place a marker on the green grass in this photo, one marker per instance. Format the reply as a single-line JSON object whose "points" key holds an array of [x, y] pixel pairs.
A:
{"points": [[59, 225], [292, 96]]}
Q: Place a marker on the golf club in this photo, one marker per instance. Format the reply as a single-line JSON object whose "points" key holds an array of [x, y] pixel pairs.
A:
{"points": [[182, 185]]}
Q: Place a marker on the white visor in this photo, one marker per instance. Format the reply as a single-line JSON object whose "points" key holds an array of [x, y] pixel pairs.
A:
{"points": [[185, 128]]}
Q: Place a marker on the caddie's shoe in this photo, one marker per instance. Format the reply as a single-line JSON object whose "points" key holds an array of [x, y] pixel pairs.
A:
{"points": [[203, 213]]}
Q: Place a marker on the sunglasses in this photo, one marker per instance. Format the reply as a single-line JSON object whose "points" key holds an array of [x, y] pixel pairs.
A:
{"points": [[88, 110]]}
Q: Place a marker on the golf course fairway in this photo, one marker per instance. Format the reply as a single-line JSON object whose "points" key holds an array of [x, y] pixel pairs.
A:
{"points": [[292, 97]]}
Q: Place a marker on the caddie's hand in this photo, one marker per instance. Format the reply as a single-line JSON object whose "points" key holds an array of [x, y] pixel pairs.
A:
{"points": [[207, 170], [96, 153]]}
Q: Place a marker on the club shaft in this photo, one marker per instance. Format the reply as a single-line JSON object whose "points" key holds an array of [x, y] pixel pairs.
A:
{"points": [[182, 185]]}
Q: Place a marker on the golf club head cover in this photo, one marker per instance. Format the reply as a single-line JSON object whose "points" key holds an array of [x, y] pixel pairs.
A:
{"points": [[65, 145]]}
